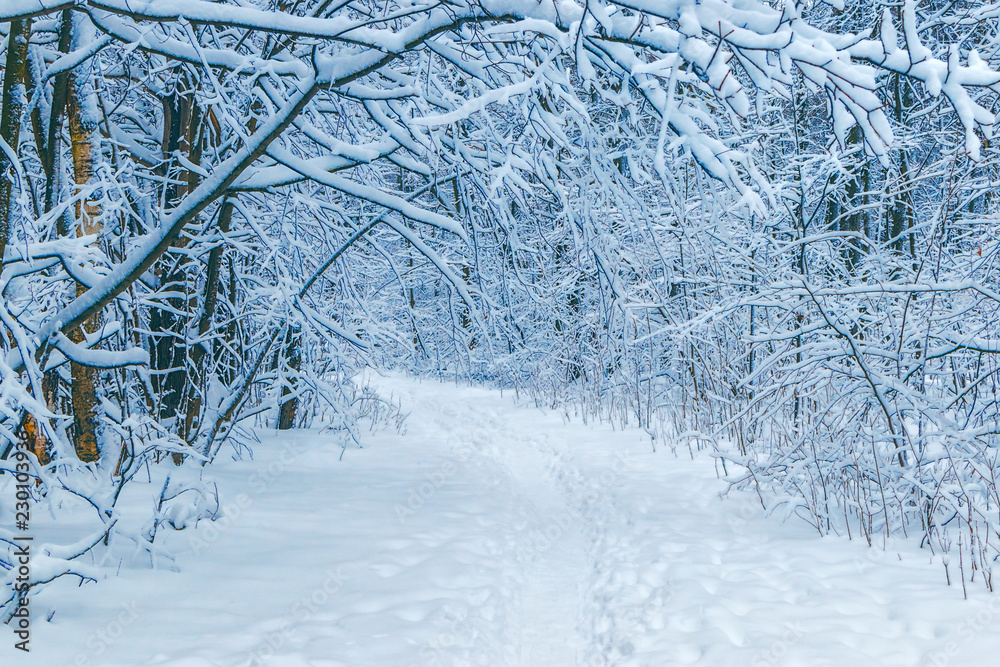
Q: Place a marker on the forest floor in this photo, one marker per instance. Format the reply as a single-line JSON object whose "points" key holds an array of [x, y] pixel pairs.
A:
{"points": [[486, 532]]}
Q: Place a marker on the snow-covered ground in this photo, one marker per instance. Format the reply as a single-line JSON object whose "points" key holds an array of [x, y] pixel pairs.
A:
{"points": [[487, 533]]}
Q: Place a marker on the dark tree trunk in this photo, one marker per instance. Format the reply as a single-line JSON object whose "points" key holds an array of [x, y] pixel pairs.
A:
{"points": [[14, 101], [293, 359], [199, 352], [856, 220], [168, 347]]}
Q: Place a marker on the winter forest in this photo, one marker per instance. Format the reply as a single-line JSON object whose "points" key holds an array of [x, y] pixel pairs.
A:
{"points": [[760, 236]]}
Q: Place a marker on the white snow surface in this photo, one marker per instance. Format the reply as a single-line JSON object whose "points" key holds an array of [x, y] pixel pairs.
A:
{"points": [[488, 532]]}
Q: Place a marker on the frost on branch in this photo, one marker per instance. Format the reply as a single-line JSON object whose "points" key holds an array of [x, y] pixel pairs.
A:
{"points": [[662, 211]]}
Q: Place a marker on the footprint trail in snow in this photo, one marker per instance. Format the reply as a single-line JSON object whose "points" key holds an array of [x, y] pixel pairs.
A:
{"points": [[488, 533]]}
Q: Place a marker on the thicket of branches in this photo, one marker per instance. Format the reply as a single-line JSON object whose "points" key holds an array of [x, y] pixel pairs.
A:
{"points": [[769, 227]]}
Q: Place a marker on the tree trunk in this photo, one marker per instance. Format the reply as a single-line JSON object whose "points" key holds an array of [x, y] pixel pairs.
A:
{"points": [[85, 144], [14, 101], [182, 134], [902, 206], [293, 358], [210, 301], [48, 136], [856, 192], [15, 97]]}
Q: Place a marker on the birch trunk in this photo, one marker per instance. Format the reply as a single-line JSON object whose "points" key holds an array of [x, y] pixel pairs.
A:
{"points": [[84, 118]]}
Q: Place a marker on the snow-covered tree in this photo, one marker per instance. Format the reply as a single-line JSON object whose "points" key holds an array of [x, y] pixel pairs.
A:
{"points": [[214, 211]]}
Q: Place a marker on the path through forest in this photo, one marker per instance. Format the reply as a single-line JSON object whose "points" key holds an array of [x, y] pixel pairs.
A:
{"points": [[490, 533]]}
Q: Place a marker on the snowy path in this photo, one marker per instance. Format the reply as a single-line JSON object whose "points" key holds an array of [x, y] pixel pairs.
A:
{"points": [[550, 596], [490, 534]]}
